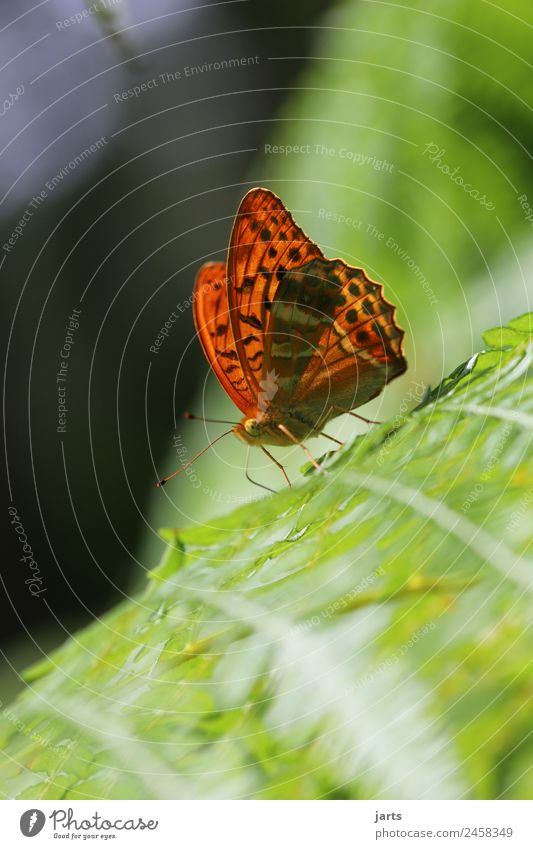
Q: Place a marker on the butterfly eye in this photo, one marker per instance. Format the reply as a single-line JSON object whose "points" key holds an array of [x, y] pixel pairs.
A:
{"points": [[251, 427]]}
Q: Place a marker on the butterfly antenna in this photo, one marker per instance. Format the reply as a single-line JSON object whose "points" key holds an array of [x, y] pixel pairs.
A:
{"points": [[163, 481], [247, 474], [192, 417]]}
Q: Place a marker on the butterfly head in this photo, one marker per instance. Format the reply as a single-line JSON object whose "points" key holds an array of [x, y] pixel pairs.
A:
{"points": [[271, 428], [252, 427], [249, 430]]}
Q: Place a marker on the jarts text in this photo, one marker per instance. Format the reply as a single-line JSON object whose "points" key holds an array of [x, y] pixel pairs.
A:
{"points": [[381, 817]]}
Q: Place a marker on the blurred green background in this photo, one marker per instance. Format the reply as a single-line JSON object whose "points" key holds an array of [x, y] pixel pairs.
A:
{"points": [[399, 136]]}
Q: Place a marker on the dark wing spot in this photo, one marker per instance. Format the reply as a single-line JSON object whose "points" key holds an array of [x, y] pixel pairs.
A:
{"points": [[254, 224], [283, 237], [354, 289], [368, 307], [362, 336], [340, 300], [265, 234], [280, 271], [294, 253], [251, 319], [351, 315], [274, 220], [272, 252], [250, 338], [248, 282], [221, 329], [228, 355]]}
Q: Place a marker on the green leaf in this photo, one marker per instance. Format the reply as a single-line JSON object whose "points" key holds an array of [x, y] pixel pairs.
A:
{"points": [[524, 323], [361, 635], [519, 331]]}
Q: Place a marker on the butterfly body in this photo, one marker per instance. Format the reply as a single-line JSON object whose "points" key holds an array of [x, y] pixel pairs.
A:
{"points": [[264, 429], [294, 338]]}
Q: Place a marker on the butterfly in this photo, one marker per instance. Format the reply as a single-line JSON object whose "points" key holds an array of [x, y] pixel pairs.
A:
{"points": [[295, 339]]}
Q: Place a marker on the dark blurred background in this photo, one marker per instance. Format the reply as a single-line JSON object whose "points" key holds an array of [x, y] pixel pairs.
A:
{"points": [[119, 236], [129, 132]]}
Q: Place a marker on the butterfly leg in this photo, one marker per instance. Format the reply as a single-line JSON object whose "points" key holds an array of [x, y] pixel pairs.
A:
{"points": [[292, 437], [247, 474], [278, 464], [357, 416], [332, 438]]}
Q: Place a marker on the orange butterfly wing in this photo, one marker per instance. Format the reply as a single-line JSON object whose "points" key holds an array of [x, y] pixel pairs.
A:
{"points": [[265, 242], [213, 326], [334, 337], [322, 327]]}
